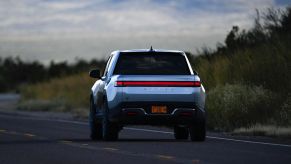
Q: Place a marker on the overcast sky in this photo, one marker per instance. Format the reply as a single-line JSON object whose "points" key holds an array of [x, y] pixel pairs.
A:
{"points": [[60, 30]]}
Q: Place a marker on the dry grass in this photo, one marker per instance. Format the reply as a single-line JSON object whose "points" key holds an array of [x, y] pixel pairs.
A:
{"points": [[264, 130], [68, 94]]}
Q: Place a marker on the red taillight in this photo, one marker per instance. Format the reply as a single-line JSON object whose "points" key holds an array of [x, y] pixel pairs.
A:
{"points": [[119, 83], [158, 83]]}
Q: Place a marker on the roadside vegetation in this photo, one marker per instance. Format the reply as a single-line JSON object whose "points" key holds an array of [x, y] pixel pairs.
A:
{"points": [[247, 78], [67, 94]]}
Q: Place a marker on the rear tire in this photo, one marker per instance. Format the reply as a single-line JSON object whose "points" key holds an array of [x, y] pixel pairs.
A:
{"points": [[95, 126], [198, 131], [109, 129], [181, 133]]}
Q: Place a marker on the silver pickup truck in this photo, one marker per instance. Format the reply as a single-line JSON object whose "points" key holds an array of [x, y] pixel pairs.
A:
{"points": [[147, 87]]}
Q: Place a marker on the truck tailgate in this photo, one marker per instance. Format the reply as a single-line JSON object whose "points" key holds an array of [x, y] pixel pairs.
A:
{"points": [[159, 88]]}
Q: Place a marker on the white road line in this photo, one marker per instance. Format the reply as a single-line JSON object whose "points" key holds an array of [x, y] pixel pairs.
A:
{"points": [[149, 130], [44, 119], [212, 137], [246, 141], [153, 131], [67, 121]]}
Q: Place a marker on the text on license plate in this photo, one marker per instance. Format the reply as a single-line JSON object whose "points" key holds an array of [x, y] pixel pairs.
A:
{"points": [[159, 109]]}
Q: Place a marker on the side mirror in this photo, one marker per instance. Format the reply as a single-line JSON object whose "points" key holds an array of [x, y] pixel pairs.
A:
{"points": [[95, 73]]}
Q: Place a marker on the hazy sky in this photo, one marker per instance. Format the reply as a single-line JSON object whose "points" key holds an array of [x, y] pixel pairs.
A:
{"points": [[68, 29]]}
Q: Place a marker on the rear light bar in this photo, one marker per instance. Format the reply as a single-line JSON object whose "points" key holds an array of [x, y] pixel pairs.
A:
{"points": [[158, 83]]}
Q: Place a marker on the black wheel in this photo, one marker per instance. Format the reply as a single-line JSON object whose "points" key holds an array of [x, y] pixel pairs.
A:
{"points": [[198, 131], [109, 129], [95, 126], [181, 133]]}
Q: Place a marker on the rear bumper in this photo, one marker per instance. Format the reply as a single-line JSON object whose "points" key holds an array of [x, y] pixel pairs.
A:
{"points": [[139, 113]]}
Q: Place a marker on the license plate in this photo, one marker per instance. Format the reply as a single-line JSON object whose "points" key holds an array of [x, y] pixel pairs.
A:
{"points": [[159, 109]]}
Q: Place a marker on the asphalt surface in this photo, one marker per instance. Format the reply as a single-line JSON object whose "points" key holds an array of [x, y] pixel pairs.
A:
{"points": [[39, 140]]}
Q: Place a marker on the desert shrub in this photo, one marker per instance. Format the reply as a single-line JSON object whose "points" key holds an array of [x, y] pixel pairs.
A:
{"points": [[234, 106], [285, 112]]}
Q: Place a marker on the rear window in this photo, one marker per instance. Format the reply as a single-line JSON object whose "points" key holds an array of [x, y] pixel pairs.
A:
{"points": [[151, 63]]}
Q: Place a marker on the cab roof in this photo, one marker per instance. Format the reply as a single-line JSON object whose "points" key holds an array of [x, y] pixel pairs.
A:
{"points": [[146, 50]]}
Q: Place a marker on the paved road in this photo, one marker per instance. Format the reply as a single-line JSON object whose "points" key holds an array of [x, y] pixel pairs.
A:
{"points": [[33, 138], [29, 140]]}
